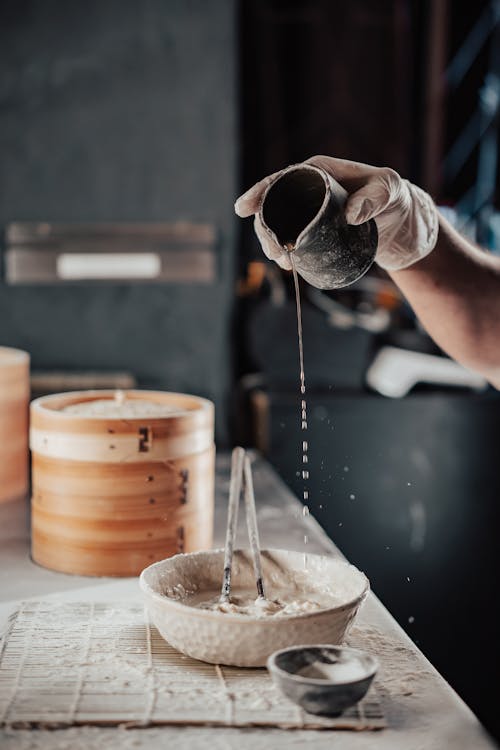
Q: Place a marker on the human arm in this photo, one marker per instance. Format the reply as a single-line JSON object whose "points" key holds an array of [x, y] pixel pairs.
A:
{"points": [[453, 286], [455, 293]]}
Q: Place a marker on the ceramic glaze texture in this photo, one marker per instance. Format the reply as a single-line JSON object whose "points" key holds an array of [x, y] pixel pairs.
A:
{"points": [[323, 679], [303, 206], [241, 640]]}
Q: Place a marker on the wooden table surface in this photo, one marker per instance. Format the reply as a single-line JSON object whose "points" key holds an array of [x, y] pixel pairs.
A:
{"points": [[421, 709]]}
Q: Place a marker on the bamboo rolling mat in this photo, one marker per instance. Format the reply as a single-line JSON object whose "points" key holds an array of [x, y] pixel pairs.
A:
{"points": [[104, 664]]}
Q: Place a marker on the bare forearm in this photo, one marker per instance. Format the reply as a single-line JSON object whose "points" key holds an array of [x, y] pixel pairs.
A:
{"points": [[455, 293]]}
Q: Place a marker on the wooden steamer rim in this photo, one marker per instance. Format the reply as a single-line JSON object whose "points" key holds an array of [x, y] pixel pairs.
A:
{"points": [[58, 434], [10, 356], [14, 374]]}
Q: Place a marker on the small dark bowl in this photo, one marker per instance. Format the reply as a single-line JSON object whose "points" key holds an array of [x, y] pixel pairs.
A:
{"points": [[322, 679]]}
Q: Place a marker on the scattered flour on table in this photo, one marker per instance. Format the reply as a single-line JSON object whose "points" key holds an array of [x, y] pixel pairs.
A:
{"points": [[401, 671]]}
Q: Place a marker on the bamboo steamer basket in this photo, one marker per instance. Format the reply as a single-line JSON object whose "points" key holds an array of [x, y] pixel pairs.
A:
{"points": [[110, 495], [14, 400]]}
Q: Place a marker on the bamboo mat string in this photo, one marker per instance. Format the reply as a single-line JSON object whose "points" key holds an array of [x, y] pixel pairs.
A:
{"points": [[20, 666], [362, 715], [73, 710], [151, 692], [301, 716], [228, 694]]}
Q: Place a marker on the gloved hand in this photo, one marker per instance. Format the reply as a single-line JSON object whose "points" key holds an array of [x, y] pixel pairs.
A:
{"points": [[406, 216]]}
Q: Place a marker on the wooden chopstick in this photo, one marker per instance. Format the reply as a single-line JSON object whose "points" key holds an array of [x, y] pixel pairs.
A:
{"points": [[235, 483], [253, 531]]}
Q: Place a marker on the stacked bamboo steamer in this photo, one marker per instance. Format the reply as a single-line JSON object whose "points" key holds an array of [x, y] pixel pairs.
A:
{"points": [[112, 493], [14, 400]]}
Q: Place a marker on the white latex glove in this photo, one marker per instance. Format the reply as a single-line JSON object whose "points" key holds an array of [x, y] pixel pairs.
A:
{"points": [[406, 216]]}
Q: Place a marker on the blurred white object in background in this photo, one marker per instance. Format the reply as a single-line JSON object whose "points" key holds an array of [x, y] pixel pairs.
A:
{"points": [[394, 372]]}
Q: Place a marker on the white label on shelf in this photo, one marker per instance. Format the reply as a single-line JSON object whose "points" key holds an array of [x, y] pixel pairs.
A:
{"points": [[108, 266]]}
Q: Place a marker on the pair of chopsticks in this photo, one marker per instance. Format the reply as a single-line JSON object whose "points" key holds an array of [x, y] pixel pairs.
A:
{"points": [[241, 476]]}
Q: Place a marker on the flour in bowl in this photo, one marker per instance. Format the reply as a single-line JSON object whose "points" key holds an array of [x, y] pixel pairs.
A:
{"points": [[283, 603]]}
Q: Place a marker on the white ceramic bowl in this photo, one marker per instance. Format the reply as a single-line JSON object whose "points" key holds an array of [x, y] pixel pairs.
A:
{"points": [[243, 640]]}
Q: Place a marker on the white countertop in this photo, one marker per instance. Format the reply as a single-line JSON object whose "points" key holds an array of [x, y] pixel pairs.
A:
{"points": [[422, 711]]}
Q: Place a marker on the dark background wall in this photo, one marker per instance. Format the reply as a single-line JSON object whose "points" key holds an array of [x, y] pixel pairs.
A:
{"points": [[122, 110]]}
